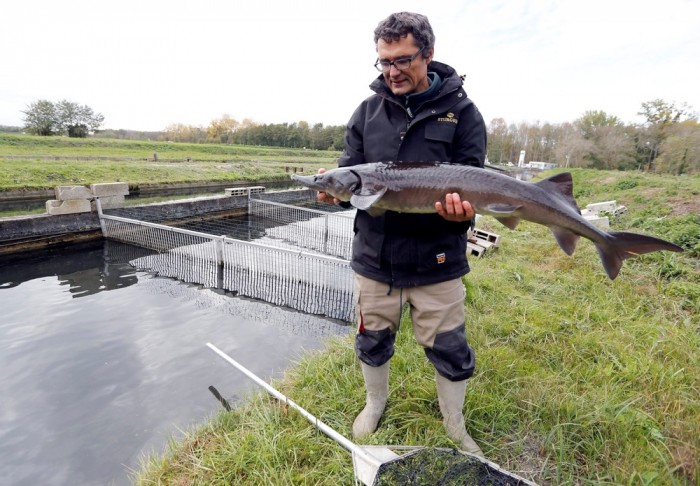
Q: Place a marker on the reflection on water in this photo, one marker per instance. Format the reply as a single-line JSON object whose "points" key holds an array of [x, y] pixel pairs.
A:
{"points": [[91, 380], [85, 272]]}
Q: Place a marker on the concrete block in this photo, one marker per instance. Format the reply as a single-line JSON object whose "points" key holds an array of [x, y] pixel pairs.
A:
{"points": [[110, 202], [601, 222], [488, 236], [486, 244], [67, 193], [110, 189], [70, 206], [236, 191], [607, 206], [475, 250], [244, 191], [619, 210]]}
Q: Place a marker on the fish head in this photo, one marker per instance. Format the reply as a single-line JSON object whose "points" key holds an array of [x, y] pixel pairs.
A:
{"points": [[340, 183]]}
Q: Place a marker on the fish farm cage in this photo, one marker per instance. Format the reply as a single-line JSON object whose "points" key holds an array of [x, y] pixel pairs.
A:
{"points": [[293, 255]]}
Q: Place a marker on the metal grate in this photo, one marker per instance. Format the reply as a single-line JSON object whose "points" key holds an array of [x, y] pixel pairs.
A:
{"points": [[182, 254], [286, 255], [328, 233], [313, 283]]}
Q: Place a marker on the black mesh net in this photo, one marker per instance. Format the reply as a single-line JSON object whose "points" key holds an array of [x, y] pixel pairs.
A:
{"points": [[441, 467]]}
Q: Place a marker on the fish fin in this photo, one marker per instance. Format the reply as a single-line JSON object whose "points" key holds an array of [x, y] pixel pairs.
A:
{"points": [[561, 184], [504, 214], [366, 201], [498, 209], [509, 222], [567, 239], [619, 246]]}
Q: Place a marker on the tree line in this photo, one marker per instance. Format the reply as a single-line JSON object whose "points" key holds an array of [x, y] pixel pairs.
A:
{"points": [[290, 135], [667, 141]]}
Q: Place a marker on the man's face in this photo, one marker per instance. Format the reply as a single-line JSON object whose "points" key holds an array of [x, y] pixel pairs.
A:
{"points": [[411, 80]]}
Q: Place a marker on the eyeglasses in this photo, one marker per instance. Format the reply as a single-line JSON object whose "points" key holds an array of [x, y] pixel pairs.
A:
{"points": [[400, 64]]}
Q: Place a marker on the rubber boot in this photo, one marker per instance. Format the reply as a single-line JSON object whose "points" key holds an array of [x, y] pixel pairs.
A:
{"points": [[451, 399], [377, 386]]}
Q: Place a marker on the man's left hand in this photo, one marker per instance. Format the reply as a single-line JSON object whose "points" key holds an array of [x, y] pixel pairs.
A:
{"points": [[455, 209]]}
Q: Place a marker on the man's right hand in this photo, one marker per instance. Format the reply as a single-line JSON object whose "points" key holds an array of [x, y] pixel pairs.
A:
{"points": [[325, 197]]}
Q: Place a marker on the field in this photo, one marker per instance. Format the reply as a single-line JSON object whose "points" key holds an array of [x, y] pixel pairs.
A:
{"points": [[580, 380], [28, 162]]}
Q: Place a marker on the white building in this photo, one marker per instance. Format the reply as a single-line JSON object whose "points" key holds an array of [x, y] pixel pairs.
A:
{"points": [[541, 165]]}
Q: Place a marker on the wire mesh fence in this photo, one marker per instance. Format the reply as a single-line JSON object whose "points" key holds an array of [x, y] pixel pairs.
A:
{"points": [[181, 254], [313, 283], [283, 254], [304, 227]]}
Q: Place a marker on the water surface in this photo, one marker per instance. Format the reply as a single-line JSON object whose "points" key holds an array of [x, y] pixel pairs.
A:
{"points": [[100, 364]]}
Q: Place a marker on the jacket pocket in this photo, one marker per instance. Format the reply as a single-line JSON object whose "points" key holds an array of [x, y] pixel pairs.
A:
{"points": [[440, 131]]}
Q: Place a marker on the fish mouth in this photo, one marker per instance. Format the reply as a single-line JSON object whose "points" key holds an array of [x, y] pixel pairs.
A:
{"points": [[306, 181]]}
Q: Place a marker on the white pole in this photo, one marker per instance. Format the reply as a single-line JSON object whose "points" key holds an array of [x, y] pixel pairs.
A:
{"points": [[98, 206], [326, 429]]}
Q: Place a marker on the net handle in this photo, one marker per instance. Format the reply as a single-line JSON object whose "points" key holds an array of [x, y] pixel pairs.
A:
{"points": [[323, 427]]}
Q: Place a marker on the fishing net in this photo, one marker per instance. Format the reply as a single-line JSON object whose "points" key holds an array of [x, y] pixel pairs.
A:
{"points": [[442, 467]]}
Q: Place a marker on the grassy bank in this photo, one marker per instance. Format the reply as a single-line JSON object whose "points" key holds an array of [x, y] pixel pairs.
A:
{"points": [[29, 162], [580, 380]]}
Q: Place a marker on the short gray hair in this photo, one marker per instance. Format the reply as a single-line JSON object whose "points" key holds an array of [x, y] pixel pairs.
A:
{"points": [[401, 24]]}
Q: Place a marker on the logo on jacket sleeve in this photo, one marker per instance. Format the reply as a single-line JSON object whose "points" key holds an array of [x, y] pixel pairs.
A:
{"points": [[440, 258]]}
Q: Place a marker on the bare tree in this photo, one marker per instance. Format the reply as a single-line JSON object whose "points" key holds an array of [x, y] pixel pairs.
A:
{"points": [[680, 151], [179, 132], [660, 115], [498, 141], [221, 130], [572, 148]]}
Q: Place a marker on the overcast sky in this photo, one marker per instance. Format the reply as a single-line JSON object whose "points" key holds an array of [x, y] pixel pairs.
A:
{"points": [[145, 64]]}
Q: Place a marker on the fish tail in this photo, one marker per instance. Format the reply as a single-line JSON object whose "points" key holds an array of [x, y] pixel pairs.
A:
{"points": [[619, 246]]}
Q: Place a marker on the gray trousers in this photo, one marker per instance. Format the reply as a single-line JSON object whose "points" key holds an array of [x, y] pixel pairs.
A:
{"points": [[437, 315]]}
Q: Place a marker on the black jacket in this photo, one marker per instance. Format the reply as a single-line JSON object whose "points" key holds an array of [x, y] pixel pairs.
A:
{"points": [[403, 249]]}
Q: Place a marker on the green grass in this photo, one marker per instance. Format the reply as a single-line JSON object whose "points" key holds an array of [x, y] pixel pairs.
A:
{"points": [[13, 144], [580, 380], [30, 162]]}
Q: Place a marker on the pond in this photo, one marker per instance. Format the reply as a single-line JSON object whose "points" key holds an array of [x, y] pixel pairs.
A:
{"points": [[101, 364]]}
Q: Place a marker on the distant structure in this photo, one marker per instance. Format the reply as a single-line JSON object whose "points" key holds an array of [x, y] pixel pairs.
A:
{"points": [[540, 165], [521, 159]]}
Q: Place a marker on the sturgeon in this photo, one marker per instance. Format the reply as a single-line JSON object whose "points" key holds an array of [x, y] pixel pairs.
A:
{"points": [[415, 187]]}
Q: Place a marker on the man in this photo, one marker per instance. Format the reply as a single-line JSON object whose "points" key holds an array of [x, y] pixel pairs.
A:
{"points": [[419, 112]]}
